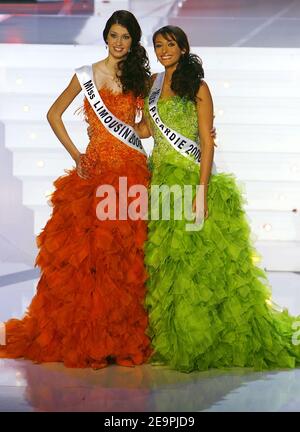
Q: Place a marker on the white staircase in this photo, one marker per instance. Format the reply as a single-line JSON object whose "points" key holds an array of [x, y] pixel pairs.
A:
{"points": [[257, 106]]}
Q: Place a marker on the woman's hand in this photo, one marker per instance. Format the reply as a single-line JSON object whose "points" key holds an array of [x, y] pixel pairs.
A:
{"points": [[200, 207], [213, 133], [90, 131], [82, 166]]}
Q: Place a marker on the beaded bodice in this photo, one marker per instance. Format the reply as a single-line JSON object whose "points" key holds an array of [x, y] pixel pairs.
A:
{"points": [[181, 115], [104, 149]]}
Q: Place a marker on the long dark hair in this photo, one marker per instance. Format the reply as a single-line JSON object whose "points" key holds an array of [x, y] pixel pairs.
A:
{"points": [[134, 70], [187, 77]]}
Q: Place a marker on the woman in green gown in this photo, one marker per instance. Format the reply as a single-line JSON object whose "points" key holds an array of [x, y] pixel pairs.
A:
{"points": [[209, 304]]}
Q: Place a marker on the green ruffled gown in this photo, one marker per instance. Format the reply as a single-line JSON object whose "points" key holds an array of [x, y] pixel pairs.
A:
{"points": [[209, 304]]}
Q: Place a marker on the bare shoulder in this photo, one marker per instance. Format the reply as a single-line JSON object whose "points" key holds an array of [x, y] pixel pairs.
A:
{"points": [[71, 91], [73, 87], [204, 94], [204, 91], [75, 82]]}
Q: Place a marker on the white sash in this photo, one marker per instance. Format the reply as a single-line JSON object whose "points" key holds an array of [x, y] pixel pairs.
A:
{"points": [[185, 146], [116, 127]]}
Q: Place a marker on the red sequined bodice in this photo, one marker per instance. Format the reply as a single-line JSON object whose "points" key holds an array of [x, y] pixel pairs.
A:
{"points": [[104, 148]]}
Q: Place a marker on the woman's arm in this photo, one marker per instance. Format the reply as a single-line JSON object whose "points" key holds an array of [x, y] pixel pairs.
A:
{"points": [[54, 117], [205, 111]]}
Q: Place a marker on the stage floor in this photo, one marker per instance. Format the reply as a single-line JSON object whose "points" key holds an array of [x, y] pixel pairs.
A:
{"points": [[25, 386]]}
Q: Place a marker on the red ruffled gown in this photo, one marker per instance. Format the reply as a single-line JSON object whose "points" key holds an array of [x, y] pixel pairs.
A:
{"points": [[88, 309]]}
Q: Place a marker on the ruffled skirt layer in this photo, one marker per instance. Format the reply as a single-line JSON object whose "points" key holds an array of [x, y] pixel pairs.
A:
{"points": [[209, 304], [88, 309]]}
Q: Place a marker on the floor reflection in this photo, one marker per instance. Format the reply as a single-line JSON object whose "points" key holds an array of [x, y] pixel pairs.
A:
{"points": [[25, 386], [52, 387], [268, 392]]}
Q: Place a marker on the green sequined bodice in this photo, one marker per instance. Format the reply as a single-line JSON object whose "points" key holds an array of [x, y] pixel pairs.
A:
{"points": [[179, 114]]}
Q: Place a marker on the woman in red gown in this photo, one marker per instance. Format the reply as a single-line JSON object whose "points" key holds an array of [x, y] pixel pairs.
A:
{"points": [[88, 310]]}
